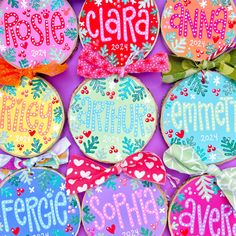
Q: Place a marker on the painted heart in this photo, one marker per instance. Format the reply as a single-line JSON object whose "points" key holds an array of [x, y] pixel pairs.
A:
{"points": [[71, 181], [111, 229], [19, 101], [83, 188], [32, 132], [87, 133], [78, 162], [85, 174], [215, 38], [95, 167], [24, 45], [149, 165], [184, 232], [69, 171], [180, 134], [139, 174], [15, 231], [138, 157], [100, 181], [157, 178]]}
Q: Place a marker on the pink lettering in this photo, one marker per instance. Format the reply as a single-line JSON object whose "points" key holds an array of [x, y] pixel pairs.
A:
{"points": [[201, 24], [126, 24]]}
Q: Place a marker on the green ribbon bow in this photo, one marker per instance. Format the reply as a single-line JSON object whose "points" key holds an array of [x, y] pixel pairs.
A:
{"points": [[181, 68], [185, 160]]}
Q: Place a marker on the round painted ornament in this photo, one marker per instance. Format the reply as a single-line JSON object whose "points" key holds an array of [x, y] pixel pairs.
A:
{"points": [[197, 28], [120, 29], [35, 203], [37, 32], [200, 208], [112, 118], [131, 207], [202, 115], [32, 117]]}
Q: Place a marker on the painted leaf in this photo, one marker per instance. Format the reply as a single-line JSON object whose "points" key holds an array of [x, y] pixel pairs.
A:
{"points": [[203, 188], [26, 177], [35, 4], [38, 87], [36, 146], [176, 207], [167, 12], [179, 45], [24, 63], [90, 146], [197, 86], [6, 192], [56, 4], [88, 217], [110, 183], [14, 180], [145, 3], [98, 85], [57, 115], [13, 3], [71, 33], [229, 146], [9, 54], [11, 90], [10, 147], [127, 88], [57, 55]]}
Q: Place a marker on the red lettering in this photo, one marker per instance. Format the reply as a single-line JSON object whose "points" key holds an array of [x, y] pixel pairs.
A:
{"points": [[27, 30], [57, 27], [9, 24], [38, 25], [36, 28]]}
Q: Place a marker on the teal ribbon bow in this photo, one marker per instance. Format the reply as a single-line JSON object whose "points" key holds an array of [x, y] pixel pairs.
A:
{"points": [[180, 68], [185, 160]]}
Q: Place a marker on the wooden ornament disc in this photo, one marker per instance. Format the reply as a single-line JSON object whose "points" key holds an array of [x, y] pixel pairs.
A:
{"points": [[112, 118], [32, 117]]}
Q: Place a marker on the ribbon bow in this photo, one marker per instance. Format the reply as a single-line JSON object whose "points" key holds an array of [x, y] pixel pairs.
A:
{"points": [[83, 173], [92, 64], [181, 68], [185, 160], [9, 75], [57, 156]]}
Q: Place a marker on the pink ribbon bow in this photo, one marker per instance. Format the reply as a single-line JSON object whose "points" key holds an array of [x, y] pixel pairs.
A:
{"points": [[83, 173], [93, 65]]}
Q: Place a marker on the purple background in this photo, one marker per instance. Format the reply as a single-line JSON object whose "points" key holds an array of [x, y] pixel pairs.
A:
{"points": [[67, 82]]}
